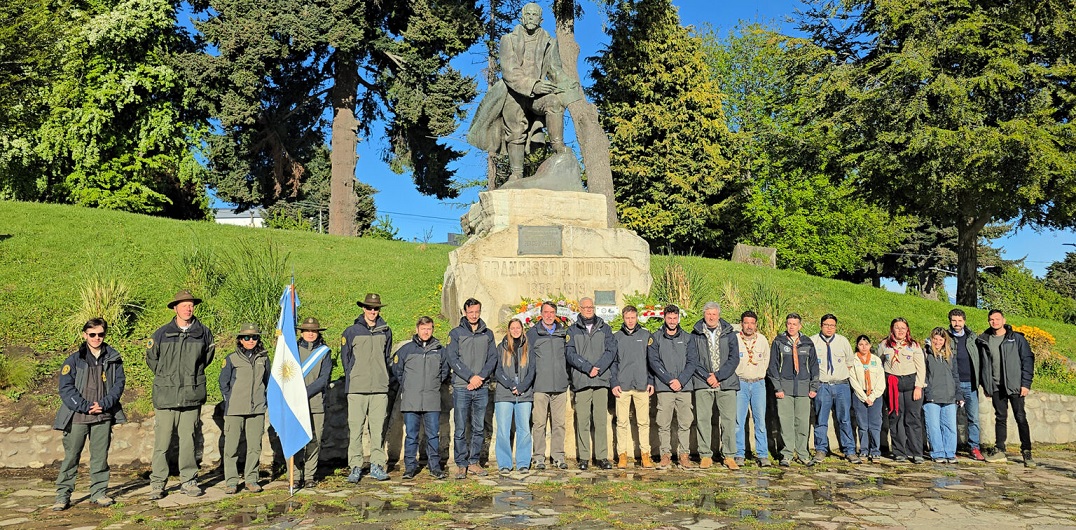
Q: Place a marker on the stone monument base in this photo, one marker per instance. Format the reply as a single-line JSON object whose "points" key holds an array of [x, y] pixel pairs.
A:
{"points": [[540, 243]]}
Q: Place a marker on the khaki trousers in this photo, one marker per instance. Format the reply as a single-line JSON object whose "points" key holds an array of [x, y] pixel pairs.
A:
{"points": [[623, 422], [367, 411], [551, 406], [167, 422], [668, 404], [250, 428]]}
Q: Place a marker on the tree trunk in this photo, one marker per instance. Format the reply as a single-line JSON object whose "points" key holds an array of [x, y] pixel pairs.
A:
{"points": [[343, 206], [593, 143], [967, 261]]}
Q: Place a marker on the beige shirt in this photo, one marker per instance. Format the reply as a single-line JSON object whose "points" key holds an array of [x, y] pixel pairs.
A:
{"points": [[842, 357], [754, 356], [904, 360], [858, 379]]}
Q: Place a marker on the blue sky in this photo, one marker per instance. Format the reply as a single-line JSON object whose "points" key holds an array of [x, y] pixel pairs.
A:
{"points": [[415, 215]]}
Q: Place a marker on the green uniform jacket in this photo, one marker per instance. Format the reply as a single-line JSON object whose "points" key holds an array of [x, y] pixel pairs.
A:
{"points": [[244, 381], [366, 354], [178, 360]]}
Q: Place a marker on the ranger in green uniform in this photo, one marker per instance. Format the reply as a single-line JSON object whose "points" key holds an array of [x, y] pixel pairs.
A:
{"points": [[365, 352], [244, 379], [313, 352], [178, 354], [91, 383]]}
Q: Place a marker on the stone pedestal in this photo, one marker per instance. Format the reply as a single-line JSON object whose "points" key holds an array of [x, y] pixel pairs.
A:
{"points": [[538, 243]]}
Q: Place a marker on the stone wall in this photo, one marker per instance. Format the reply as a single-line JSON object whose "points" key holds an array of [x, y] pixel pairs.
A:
{"points": [[1051, 417]]}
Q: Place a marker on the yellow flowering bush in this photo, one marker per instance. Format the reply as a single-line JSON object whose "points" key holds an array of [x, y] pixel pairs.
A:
{"points": [[1040, 340]]}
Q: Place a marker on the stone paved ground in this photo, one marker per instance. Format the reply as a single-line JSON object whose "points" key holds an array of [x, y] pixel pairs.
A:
{"points": [[833, 495]]}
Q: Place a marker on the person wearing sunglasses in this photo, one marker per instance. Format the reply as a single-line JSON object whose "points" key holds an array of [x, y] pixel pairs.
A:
{"points": [[244, 381], [178, 355], [91, 383], [366, 353]]}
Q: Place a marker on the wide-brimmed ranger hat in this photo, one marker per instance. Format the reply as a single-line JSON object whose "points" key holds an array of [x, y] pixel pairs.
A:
{"points": [[311, 324], [372, 301], [249, 329], [183, 296]]}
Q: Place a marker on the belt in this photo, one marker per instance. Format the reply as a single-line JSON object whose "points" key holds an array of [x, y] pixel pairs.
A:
{"points": [[841, 382], [743, 380]]}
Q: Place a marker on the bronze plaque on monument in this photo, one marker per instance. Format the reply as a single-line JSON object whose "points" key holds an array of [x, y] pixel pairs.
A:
{"points": [[539, 240]]}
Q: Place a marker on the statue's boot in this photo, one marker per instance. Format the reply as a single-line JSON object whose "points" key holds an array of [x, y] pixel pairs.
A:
{"points": [[555, 126], [515, 161]]}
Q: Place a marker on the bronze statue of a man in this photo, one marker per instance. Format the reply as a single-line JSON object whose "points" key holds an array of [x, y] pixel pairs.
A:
{"points": [[533, 92]]}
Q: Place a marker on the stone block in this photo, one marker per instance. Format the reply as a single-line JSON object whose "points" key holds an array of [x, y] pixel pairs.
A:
{"points": [[501, 209]]}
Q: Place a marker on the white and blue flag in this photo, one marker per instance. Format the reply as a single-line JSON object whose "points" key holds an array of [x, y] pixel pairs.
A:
{"points": [[289, 410]]}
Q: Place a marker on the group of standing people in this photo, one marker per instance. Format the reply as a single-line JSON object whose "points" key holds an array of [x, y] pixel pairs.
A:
{"points": [[711, 369]]}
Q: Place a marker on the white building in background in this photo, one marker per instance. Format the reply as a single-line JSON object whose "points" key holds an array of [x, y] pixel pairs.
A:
{"points": [[228, 216]]}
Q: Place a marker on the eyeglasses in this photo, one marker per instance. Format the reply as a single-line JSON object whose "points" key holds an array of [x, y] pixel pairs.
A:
{"points": [[374, 309], [95, 335], [586, 307], [248, 337]]}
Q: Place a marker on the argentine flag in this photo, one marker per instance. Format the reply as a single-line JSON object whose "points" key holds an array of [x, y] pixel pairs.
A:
{"points": [[289, 411]]}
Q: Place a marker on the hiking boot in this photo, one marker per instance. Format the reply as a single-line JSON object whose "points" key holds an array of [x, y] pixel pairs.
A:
{"points": [[1028, 461], [763, 462], [685, 461], [739, 461], [61, 505], [438, 474], [731, 464], [819, 457], [583, 465], [786, 462], [622, 461], [977, 455], [356, 475], [604, 464], [231, 489], [996, 456], [156, 494], [103, 501], [476, 470], [918, 459], [461, 472], [409, 474], [524, 471], [540, 466], [378, 473], [665, 462], [253, 487], [191, 489], [505, 471], [647, 462], [706, 462], [557, 464], [854, 459]]}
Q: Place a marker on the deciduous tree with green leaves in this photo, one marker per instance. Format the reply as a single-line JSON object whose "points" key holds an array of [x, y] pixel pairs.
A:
{"points": [[818, 225], [958, 110], [670, 147]]}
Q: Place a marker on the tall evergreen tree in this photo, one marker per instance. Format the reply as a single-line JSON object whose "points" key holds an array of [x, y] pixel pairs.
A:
{"points": [[673, 178], [961, 110], [358, 61]]}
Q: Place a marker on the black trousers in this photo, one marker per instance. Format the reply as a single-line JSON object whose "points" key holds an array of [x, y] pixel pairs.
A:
{"points": [[1001, 402], [906, 424]]}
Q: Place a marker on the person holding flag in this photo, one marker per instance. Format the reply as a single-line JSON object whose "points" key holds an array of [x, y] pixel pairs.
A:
{"points": [[289, 410], [317, 362], [365, 351], [244, 376]]}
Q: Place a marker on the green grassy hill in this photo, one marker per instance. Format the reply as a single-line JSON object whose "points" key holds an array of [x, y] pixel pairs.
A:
{"points": [[49, 253]]}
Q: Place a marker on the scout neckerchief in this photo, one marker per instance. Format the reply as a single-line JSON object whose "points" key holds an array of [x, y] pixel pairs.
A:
{"points": [[829, 351], [866, 360], [750, 348]]}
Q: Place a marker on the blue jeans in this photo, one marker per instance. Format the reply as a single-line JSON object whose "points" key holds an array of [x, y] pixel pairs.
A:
{"points": [[752, 395], [504, 412], [941, 429], [431, 422], [971, 411], [468, 407], [839, 399], [869, 423]]}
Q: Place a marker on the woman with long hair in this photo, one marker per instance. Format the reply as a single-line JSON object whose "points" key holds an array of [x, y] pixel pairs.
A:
{"points": [[942, 396], [905, 369], [867, 379], [513, 400]]}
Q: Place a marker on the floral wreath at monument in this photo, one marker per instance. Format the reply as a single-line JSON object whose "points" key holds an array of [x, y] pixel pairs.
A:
{"points": [[529, 310]]}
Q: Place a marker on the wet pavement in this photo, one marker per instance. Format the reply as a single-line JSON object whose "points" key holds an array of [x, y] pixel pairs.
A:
{"points": [[832, 495]]}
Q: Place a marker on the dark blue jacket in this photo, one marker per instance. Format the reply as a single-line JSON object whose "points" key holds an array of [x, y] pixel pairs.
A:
{"points": [[587, 350], [73, 383], [470, 353]]}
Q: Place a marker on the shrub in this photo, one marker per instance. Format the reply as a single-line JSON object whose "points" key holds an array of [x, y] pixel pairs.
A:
{"points": [[1040, 341], [252, 291], [1017, 292], [109, 299], [681, 284], [772, 305], [16, 374]]}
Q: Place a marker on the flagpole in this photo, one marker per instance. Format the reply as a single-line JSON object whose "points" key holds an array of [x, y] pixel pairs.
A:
{"points": [[291, 475]]}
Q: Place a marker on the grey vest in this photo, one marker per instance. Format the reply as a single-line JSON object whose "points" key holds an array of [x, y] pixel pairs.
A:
{"points": [[248, 384]]}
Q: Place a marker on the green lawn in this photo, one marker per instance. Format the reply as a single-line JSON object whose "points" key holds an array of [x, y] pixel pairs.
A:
{"points": [[48, 252]]}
